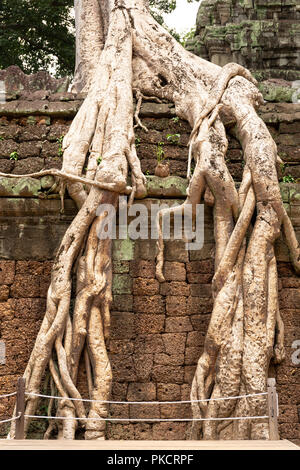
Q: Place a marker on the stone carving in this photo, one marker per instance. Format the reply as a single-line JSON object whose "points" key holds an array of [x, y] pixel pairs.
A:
{"points": [[262, 35], [17, 83]]}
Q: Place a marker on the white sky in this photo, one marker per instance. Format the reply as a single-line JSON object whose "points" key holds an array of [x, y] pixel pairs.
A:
{"points": [[183, 18]]}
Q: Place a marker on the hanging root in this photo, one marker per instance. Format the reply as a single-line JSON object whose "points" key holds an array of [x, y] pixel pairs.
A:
{"points": [[245, 330], [97, 128]]}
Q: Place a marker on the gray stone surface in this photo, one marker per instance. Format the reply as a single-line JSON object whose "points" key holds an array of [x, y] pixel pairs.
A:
{"points": [[262, 35]]}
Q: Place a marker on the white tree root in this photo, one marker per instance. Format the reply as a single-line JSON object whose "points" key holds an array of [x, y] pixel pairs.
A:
{"points": [[121, 48]]}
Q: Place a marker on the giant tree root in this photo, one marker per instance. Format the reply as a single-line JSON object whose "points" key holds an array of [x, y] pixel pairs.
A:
{"points": [[133, 52]]}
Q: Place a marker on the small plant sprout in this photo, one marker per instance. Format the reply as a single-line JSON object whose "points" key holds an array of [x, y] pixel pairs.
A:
{"points": [[137, 141], [14, 156], [160, 153], [99, 160], [283, 166], [173, 138], [60, 149], [288, 179], [175, 119]]}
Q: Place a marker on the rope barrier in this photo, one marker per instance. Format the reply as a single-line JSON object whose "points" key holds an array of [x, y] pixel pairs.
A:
{"points": [[147, 419], [136, 403], [144, 402], [11, 419], [8, 395]]}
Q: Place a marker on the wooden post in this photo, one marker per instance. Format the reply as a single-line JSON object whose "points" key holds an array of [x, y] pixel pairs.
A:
{"points": [[273, 410], [20, 408]]}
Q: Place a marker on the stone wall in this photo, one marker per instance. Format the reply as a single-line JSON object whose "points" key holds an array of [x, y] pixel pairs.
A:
{"points": [[157, 330], [261, 35]]}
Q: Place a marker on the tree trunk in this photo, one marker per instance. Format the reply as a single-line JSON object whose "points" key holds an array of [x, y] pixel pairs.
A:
{"points": [[121, 50]]}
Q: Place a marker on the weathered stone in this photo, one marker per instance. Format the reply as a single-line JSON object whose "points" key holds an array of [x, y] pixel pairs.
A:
{"points": [[175, 250], [174, 271], [176, 305], [28, 165], [192, 355], [153, 304], [142, 268], [120, 346], [29, 149], [122, 284], [120, 267], [168, 392], [20, 187], [123, 302], [150, 343], [178, 324], [123, 250], [4, 293], [157, 110], [169, 431], [144, 411], [167, 374], [254, 35], [123, 368], [200, 322], [174, 342], [6, 309], [195, 278], [7, 272], [201, 290], [17, 82], [141, 392], [146, 324], [199, 305], [122, 325], [189, 373], [144, 286], [25, 285], [171, 186], [175, 288], [169, 360], [143, 364]]}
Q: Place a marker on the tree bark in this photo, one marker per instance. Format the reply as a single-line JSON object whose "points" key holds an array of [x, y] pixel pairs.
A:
{"points": [[121, 50]]}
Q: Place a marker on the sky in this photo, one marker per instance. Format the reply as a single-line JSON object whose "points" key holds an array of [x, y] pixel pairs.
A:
{"points": [[183, 18]]}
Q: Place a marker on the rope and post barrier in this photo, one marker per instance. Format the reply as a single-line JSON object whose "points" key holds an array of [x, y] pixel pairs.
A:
{"points": [[271, 395]]}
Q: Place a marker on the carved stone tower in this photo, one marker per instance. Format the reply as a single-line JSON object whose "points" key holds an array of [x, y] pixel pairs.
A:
{"points": [[262, 35]]}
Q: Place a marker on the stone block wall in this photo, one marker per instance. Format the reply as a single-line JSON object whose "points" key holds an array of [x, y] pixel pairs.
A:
{"points": [[31, 133], [157, 330], [261, 35]]}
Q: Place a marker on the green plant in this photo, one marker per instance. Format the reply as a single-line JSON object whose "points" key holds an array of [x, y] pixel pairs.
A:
{"points": [[99, 160], [175, 119], [137, 142], [44, 410], [1, 137], [60, 149], [14, 156], [288, 179], [173, 138], [147, 173], [187, 35], [160, 153], [283, 167]]}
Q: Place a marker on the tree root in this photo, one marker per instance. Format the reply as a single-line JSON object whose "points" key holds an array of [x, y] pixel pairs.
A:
{"points": [[134, 53]]}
